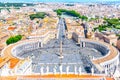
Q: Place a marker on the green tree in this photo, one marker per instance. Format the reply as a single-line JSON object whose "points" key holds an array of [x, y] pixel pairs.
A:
{"points": [[71, 13], [37, 15], [13, 39]]}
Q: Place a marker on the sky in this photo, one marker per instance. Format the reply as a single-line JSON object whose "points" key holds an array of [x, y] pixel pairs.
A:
{"points": [[55, 0]]}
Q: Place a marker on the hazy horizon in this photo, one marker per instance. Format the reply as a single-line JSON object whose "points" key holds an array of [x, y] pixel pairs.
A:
{"points": [[57, 0]]}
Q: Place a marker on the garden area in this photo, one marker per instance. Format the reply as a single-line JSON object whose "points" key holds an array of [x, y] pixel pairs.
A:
{"points": [[109, 24], [37, 15], [70, 13], [13, 39]]}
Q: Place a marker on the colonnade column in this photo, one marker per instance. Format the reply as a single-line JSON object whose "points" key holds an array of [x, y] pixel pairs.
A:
{"points": [[41, 71], [67, 70], [80, 70], [60, 69], [47, 69]]}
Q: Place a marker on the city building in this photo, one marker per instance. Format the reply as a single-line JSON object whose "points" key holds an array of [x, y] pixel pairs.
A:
{"points": [[118, 44], [107, 37]]}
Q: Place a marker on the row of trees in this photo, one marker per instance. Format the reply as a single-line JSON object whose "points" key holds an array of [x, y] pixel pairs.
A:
{"points": [[71, 13], [109, 24], [13, 39], [101, 28], [118, 36], [37, 15], [115, 23]]}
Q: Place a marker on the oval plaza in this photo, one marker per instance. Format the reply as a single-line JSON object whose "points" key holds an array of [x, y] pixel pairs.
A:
{"points": [[59, 51]]}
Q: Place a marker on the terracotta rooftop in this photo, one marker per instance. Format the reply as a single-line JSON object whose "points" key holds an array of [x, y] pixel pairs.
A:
{"points": [[13, 62], [11, 28]]}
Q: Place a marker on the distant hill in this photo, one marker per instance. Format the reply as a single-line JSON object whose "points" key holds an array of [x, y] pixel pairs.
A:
{"points": [[15, 4]]}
